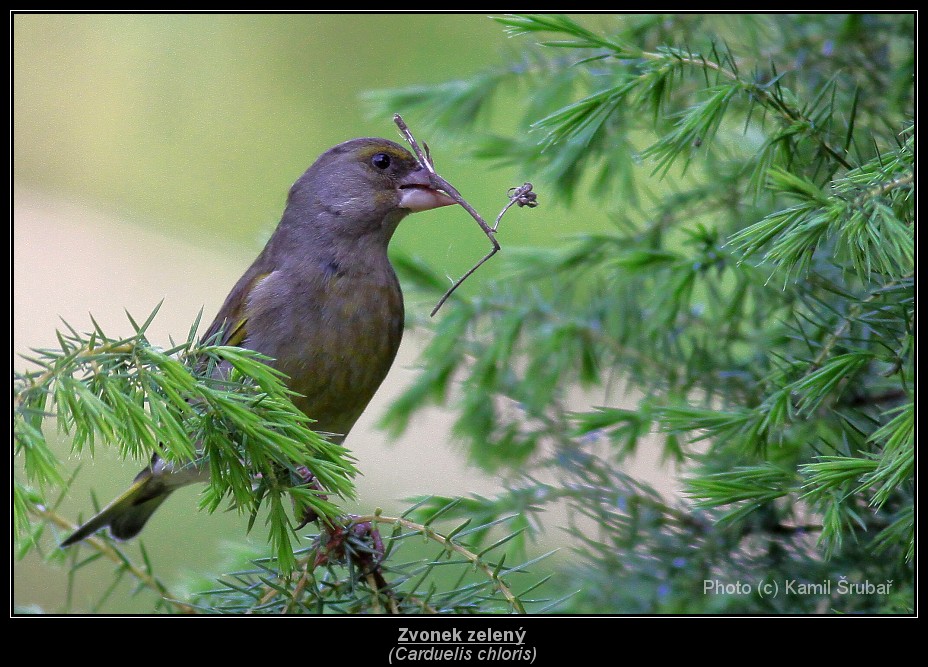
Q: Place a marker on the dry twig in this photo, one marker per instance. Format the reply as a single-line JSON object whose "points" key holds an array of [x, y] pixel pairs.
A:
{"points": [[523, 196]]}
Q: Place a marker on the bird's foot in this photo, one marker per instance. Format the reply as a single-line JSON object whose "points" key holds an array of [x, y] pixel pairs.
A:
{"points": [[306, 478], [359, 542]]}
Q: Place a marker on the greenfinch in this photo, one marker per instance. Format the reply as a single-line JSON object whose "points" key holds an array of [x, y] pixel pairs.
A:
{"points": [[321, 300]]}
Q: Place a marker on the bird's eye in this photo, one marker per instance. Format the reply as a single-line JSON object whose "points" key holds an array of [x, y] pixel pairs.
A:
{"points": [[381, 160]]}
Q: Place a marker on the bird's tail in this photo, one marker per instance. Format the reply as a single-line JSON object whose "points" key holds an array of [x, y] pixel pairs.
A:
{"points": [[128, 513]]}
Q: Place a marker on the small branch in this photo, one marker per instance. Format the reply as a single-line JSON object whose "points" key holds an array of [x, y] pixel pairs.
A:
{"points": [[853, 313], [450, 545], [375, 603], [883, 188], [298, 589], [374, 577], [467, 275], [377, 586], [523, 196]]}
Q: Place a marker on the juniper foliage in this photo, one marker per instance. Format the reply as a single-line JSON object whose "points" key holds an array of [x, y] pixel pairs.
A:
{"points": [[746, 305], [135, 397], [750, 309]]}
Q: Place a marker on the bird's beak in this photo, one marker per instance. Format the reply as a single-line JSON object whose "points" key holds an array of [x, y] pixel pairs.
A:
{"points": [[417, 193]]}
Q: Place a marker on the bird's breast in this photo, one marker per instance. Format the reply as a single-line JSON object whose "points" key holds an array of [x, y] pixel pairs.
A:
{"points": [[335, 333]]}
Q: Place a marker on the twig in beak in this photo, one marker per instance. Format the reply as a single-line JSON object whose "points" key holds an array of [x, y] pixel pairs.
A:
{"points": [[523, 196]]}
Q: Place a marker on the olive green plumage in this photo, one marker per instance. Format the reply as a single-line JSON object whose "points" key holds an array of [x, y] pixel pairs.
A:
{"points": [[321, 300]]}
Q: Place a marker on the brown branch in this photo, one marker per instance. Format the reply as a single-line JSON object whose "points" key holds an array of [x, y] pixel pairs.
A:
{"points": [[450, 546], [523, 196], [883, 188], [372, 584], [333, 547], [299, 588]]}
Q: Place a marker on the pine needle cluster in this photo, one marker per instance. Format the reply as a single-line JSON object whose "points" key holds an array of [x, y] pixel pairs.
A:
{"points": [[752, 298]]}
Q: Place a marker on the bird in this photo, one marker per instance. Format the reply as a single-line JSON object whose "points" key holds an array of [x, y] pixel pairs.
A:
{"points": [[321, 301]]}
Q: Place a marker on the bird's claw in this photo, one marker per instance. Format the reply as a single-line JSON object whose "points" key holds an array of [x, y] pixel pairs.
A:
{"points": [[360, 542], [347, 539], [306, 478]]}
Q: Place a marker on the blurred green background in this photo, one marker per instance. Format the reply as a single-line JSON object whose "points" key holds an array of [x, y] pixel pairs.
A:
{"points": [[152, 155]]}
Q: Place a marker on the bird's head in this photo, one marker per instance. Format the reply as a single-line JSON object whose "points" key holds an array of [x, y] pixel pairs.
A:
{"points": [[363, 186]]}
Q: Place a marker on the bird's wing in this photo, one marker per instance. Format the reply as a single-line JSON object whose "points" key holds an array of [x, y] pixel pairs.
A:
{"points": [[232, 319]]}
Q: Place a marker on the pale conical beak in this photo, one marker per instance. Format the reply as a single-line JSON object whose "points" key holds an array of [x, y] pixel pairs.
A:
{"points": [[417, 194]]}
